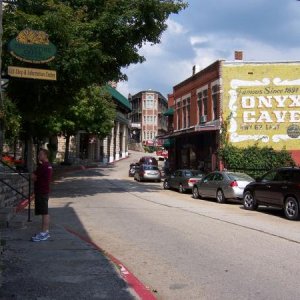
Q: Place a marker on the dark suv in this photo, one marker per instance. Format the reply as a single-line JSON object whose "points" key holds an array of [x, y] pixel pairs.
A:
{"points": [[278, 188]]}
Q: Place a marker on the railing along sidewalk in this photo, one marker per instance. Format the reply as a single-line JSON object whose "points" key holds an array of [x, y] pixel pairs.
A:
{"points": [[8, 181]]}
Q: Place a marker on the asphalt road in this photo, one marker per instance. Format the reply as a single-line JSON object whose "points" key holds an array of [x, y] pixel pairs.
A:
{"points": [[178, 246]]}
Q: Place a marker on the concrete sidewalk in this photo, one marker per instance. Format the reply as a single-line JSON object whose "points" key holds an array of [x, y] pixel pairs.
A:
{"points": [[63, 267]]}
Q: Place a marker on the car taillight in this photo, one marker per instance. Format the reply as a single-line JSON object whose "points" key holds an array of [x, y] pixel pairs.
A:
{"points": [[233, 183], [192, 180]]}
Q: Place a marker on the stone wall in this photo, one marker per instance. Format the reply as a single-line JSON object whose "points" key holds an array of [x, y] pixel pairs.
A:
{"points": [[9, 198]]}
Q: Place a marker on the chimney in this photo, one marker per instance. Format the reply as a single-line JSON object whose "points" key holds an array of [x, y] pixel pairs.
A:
{"points": [[238, 55], [194, 70]]}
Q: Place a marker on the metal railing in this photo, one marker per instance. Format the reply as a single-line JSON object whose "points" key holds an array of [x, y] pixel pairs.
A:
{"points": [[5, 171]]}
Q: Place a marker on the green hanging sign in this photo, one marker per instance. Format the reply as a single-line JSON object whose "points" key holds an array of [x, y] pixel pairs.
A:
{"points": [[32, 46]]}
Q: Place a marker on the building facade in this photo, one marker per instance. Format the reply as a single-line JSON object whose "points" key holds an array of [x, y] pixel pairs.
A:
{"points": [[88, 147], [260, 102], [147, 116]]}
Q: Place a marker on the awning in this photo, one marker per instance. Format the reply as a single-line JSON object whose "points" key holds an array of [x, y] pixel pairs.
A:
{"points": [[168, 143], [169, 112]]}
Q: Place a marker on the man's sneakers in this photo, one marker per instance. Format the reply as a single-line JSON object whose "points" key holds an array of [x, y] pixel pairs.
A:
{"points": [[42, 236]]}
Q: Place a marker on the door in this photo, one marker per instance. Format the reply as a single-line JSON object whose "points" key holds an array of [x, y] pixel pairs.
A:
{"points": [[216, 183], [206, 185], [173, 179], [279, 187], [263, 187]]}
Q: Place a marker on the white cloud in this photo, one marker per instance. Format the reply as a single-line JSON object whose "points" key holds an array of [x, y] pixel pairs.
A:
{"points": [[193, 37]]}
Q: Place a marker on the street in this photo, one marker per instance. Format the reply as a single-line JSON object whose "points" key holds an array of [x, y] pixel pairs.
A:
{"points": [[180, 247]]}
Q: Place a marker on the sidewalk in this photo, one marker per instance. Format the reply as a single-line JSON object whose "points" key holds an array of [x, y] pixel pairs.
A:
{"points": [[63, 267]]}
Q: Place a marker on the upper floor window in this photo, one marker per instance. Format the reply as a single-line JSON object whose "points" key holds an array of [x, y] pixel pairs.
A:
{"points": [[215, 100], [202, 104], [149, 102]]}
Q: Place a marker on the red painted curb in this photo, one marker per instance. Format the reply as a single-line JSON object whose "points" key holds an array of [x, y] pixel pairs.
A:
{"points": [[140, 289], [23, 204]]}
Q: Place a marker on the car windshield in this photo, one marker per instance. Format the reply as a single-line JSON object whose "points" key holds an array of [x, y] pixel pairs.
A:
{"points": [[193, 173], [239, 177], [150, 168]]}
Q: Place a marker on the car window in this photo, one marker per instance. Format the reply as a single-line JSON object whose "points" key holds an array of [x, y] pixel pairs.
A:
{"points": [[196, 173], [218, 177], [177, 173], [270, 176], [239, 177], [188, 174], [284, 175], [209, 177], [296, 176], [149, 167]]}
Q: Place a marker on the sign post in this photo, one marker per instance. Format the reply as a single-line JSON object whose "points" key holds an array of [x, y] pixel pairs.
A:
{"points": [[34, 47]]}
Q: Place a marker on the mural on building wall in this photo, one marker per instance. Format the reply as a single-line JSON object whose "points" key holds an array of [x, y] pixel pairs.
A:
{"points": [[262, 104]]}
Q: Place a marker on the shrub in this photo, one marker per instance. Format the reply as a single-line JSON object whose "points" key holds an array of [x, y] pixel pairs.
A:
{"points": [[254, 160]]}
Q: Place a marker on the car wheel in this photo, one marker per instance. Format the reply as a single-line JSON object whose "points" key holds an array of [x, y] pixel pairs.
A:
{"points": [[195, 193], [291, 208], [249, 201], [220, 196], [181, 188], [166, 185]]}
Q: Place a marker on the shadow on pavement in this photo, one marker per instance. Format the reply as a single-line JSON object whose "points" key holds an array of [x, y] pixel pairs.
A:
{"points": [[63, 267], [92, 182]]}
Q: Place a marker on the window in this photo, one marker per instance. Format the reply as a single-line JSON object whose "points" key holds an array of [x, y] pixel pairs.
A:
{"points": [[209, 177], [218, 177], [215, 99], [184, 117], [269, 176], [178, 115], [284, 175], [202, 104], [149, 101]]}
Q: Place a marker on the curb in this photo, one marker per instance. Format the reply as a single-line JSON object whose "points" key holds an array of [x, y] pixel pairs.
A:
{"points": [[140, 289]]}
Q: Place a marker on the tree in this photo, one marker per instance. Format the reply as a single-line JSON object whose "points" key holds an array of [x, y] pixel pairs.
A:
{"points": [[95, 39], [93, 111]]}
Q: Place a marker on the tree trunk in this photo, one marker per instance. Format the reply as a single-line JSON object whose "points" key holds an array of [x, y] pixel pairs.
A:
{"points": [[66, 159]]}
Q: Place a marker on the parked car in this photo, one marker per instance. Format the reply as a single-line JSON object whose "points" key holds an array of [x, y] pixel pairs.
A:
{"points": [[132, 169], [162, 154], [147, 172], [148, 160], [278, 188], [183, 180], [221, 186]]}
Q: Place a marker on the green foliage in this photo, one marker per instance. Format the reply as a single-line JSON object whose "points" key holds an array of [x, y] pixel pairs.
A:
{"points": [[254, 160], [12, 119], [149, 149], [95, 39]]}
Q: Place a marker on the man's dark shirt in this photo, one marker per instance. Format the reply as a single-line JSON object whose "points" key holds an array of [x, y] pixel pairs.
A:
{"points": [[43, 174]]}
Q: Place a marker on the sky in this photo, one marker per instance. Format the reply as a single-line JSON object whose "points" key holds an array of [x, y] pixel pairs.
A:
{"points": [[208, 30]]}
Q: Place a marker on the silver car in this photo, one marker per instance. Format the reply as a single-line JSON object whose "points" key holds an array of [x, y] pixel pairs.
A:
{"points": [[221, 186], [147, 172]]}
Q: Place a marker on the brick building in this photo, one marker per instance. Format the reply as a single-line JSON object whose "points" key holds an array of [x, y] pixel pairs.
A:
{"points": [[147, 116], [260, 101]]}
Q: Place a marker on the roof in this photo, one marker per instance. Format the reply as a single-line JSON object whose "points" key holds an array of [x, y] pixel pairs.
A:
{"points": [[119, 97], [169, 112]]}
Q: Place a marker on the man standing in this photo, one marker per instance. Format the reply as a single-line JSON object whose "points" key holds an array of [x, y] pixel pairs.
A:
{"points": [[42, 177]]}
